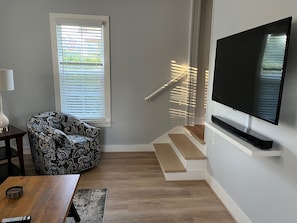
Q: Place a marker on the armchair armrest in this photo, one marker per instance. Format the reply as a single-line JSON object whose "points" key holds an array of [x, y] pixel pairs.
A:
{"points": [[78, 127], [57, 135]]}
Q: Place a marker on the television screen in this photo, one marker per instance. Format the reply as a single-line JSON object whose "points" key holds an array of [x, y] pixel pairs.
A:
{"points": [[250, 67]]}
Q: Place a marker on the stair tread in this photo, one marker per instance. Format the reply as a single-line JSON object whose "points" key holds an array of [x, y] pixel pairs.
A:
{"points": [[186, 147], [197, 131], [168, 159]]}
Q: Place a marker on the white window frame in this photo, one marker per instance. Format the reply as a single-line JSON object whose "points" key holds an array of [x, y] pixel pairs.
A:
{"points": [[54, 20]]}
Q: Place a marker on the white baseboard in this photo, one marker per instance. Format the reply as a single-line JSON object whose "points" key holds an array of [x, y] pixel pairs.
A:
{"points": [[230, 204], [26, 150], [115, 148], [129, 148]]}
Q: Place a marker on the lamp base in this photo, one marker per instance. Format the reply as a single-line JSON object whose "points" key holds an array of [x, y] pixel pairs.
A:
{"points": [[4, 122], [4, 129]]}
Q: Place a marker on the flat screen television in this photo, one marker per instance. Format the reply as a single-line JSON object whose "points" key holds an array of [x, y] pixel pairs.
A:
{"points": [[250, 68]]}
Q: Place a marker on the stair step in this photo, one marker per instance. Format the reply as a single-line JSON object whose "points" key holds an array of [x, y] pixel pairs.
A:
{"points": [[186, 147], [197, 131], [167, 158]]}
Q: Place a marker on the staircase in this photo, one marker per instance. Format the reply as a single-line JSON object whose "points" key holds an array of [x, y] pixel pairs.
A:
{"points": [[182, 153]]}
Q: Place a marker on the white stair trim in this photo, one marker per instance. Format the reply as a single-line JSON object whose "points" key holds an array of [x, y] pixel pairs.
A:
{"points": [[165, 139]]}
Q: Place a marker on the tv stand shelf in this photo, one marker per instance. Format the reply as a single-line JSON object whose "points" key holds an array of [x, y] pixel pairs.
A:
{"points": [[241, 144]]}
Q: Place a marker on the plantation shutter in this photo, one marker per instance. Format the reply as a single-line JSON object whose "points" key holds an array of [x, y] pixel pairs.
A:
{"points": [[81, 69]]}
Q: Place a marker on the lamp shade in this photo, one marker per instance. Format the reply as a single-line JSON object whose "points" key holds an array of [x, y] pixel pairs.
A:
{"points": [[6, 80]]}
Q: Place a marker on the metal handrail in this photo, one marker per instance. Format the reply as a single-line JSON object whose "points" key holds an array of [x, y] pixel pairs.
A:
{"points": [[164, 86]]}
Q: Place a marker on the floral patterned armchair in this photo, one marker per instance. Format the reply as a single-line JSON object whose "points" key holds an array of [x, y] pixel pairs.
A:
{"points": [[63, 144]]}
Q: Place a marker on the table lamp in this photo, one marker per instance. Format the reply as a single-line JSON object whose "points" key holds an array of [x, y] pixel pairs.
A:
{"points": [[6, 84]]}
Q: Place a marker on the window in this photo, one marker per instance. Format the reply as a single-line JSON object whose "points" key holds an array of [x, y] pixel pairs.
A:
{"points": [[81, 64]]}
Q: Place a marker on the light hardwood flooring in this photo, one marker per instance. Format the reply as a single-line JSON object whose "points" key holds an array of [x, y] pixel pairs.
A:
{"points": [[138, 192]]}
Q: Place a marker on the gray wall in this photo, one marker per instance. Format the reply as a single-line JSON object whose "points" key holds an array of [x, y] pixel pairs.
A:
{"points": [[145, 36], [264, 188]]}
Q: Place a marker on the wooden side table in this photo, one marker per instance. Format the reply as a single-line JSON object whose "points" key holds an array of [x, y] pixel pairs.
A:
{"points": [[7, 152]]}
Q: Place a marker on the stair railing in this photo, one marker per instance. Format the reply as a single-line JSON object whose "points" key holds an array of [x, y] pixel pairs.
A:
{"points": [[173, 81]]}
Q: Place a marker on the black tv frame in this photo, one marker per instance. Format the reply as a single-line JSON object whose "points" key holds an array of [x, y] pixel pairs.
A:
{"points": [[233, 98]]}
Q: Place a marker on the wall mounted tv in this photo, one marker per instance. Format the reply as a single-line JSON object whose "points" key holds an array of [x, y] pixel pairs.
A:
{"points": [[250, 68]]}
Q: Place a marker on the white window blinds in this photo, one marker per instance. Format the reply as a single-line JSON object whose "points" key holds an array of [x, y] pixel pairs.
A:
{"points": [[81, 68], [81, 59]]}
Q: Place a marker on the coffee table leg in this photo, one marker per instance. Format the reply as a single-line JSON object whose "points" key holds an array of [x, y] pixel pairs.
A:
{"points": [[73, 213]]}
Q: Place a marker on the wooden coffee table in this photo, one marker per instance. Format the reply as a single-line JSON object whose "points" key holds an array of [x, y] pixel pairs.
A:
{"points": [[45, 198]]}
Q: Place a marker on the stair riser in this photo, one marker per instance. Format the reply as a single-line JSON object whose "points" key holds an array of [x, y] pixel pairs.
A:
{"points": [[189, 164], [189, 175], [196, 165]]}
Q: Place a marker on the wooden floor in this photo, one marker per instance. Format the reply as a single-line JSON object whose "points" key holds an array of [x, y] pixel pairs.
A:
{"points": [[138, 193]]}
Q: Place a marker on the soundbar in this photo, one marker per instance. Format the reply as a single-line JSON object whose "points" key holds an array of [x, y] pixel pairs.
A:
{"points": [[248, 135]]}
